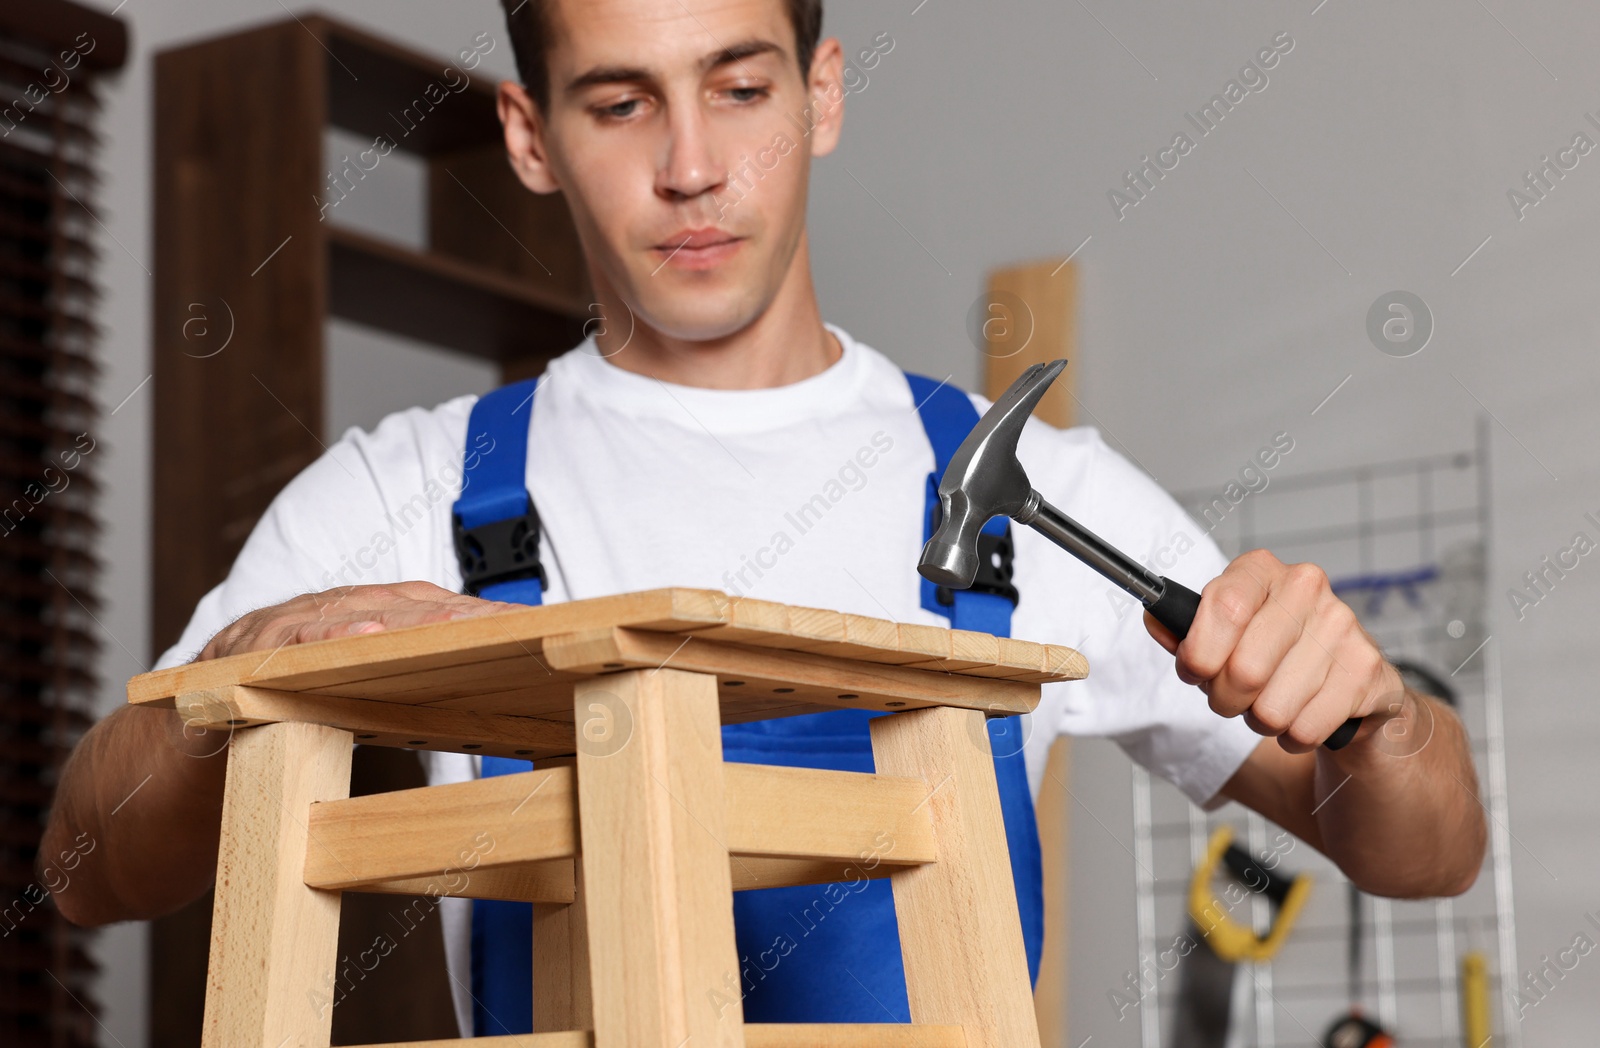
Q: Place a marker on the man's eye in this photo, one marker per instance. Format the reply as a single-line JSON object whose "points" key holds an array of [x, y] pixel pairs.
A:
{"points": [[747, 94], [620, 110]]}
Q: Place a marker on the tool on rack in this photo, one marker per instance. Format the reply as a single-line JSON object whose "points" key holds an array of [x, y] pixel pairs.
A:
{"points": [[1205, 987], [1353, 1029], [1475, 1025], [985, 479]]}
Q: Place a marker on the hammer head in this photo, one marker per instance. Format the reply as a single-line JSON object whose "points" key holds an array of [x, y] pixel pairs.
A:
{"points": [[984, 480]]}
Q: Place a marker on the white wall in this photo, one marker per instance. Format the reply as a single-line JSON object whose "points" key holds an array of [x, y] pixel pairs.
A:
{"points": [[1213, 319], [1223, 308]]}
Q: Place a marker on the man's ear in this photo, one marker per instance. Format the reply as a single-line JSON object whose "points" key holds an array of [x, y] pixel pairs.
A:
{"points": [[826, 91], [524, 132]]}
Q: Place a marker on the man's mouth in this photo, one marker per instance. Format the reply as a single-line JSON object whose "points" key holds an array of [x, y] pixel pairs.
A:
{"points": [[696, 248]]}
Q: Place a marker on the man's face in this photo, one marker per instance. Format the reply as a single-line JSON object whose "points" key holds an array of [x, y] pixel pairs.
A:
{"points": [[678, 131]]}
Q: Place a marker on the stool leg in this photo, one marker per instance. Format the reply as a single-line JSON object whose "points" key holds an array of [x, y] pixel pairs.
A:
{"points": [[658, 894], [960, 931], [274, 942], [561, 986]]}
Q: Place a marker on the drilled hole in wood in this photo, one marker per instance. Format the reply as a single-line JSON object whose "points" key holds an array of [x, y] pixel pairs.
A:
{"points": [[733, 684], [235, 722], [523, 753], [471, 745], [417, 742], [894, 704], [849, 695], [611, 665], [366, 736], [782, 691]]}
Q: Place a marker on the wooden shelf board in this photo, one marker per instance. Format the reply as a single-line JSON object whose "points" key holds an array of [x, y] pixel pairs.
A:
{"points": [[444, 301]]}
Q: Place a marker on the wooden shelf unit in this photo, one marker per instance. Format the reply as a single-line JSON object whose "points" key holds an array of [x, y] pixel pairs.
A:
{"points": [[249, 267], [242, 242]]}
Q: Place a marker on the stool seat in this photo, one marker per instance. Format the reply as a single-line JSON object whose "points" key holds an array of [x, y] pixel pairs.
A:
{"points": [[632, 833]]}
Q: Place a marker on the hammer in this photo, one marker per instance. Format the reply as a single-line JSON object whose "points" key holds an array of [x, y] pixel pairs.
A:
{"points": [[984, 480]]}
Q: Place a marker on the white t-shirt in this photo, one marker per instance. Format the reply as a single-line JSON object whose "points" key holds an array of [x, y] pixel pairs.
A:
{"points": [[809, 494]]}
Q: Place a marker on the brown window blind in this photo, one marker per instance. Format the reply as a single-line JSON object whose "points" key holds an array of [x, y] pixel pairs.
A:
{"points": [[50, 53]]}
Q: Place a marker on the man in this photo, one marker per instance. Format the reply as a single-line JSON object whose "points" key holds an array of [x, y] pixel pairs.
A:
{"points": [[717, 433]]}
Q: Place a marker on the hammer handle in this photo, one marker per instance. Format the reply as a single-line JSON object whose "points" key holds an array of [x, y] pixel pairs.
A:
{"points": [[1175, 610]]}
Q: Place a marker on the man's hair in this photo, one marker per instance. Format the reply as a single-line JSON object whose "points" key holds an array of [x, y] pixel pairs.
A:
{"points": [[530, 33]]}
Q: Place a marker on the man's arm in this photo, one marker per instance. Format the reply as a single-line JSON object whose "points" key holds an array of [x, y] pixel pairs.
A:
{"points": [[1399, 819], [1397, 809], [148, 791]]}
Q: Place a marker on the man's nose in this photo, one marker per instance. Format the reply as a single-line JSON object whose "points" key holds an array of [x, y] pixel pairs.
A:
{"points": [[692, 164]]}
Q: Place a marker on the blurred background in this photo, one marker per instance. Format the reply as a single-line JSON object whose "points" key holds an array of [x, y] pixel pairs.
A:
{"points": [[1383, 245]]}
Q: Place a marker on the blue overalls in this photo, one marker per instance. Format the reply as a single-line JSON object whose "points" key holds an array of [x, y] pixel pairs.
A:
{"points": [[808, 953]]}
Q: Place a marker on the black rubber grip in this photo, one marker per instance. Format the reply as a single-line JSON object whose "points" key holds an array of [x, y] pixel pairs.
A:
{"points": [[1176, 609], [1341, 738]]}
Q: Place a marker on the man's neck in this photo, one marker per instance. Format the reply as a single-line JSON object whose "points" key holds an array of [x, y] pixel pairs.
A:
{"points": [[785, 344]]}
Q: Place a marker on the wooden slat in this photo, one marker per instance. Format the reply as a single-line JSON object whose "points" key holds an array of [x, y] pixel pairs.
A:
{"points": [[763, 623], [397, 841], [307, 667], [563, 1039], [811, 678], [852, 1035], [552, 882], [379, 723], [932, 643], [1014, 660], [563, 992], [537, 882], [756, 1035], [1054, 810], [658, 893], [960, 933], [755, 871], [526, 669], [555, 704], [274, 941], [968, 650], [843, 813], [550, 702], [877, 640], [813, 627], [433, 831], [820, 632]]}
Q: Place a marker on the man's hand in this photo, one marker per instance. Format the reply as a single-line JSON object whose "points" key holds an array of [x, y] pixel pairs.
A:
{"points": [[1397, 809], [148, 793], [345, 612], [1273, 643]]}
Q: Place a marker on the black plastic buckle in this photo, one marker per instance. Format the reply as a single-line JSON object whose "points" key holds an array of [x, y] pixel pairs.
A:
{"points": [[994, 570], [499, 551]]}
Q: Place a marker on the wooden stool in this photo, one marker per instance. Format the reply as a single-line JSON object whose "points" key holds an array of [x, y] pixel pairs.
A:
{"points": [[620, 700]]}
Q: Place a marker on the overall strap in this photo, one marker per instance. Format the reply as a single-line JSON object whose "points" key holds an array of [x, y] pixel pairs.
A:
{"points": [[496, 530], [497, 543], [495, 524]]}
